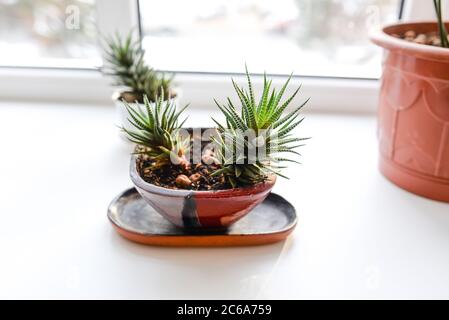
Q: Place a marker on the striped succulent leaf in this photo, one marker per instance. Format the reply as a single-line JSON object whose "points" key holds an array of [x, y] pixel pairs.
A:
{"points": [[155, 131], [272, 127], [126, 65]]}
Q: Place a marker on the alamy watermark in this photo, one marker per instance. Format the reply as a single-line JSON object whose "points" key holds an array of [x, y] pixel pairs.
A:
{"points": [[73, 15]]}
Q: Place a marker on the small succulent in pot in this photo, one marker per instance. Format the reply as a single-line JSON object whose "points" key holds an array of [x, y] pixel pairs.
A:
{"points": [[219, 189], [126, 65]]}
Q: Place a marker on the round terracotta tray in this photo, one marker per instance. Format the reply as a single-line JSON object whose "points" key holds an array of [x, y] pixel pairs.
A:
{"points": [[271, 221]]}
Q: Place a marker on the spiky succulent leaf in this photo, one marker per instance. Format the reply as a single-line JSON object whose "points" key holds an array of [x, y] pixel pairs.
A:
{"points": [[156, 127], [267, 120], [126, 65]]}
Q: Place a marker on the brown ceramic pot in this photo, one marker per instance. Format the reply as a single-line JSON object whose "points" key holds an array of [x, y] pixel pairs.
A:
{"points": [[413, 116], [201, 209]]}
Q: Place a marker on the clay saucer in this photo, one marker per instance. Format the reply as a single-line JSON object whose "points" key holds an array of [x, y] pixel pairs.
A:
{"points": [[271, 221]]}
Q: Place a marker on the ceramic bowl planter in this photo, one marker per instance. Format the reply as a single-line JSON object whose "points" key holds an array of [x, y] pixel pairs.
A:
{"points": [[206, 179], [413, 116], [201, 209]]}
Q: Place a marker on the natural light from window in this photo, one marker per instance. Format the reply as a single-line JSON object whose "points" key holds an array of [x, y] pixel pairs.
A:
{"points": [[48, 33], [309, 37]]}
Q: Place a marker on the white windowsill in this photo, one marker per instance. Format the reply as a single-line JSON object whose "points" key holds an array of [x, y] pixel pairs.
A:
{"points": [[90, 87], [358, 235]]}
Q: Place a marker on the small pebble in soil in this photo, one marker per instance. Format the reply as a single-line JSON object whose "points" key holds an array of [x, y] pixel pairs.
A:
{"points": [[421, 39], [195, 177], [410, 35], [183, 181], [431, 38]]}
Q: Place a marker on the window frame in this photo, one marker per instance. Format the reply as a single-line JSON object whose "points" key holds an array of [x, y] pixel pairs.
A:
{"points": [[56, 85]]}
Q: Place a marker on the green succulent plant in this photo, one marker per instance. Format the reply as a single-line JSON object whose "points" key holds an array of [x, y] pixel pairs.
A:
{"points": [[441, 26], [272, 126], [156, 132], [127, 67]]}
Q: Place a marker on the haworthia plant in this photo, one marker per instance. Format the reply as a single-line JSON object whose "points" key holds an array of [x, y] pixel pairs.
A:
{"points": [[126, 65], [272, 125], [156, 128]]}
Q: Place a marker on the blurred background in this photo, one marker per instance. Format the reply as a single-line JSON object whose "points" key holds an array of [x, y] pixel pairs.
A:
{"points": [[326, 38]]}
